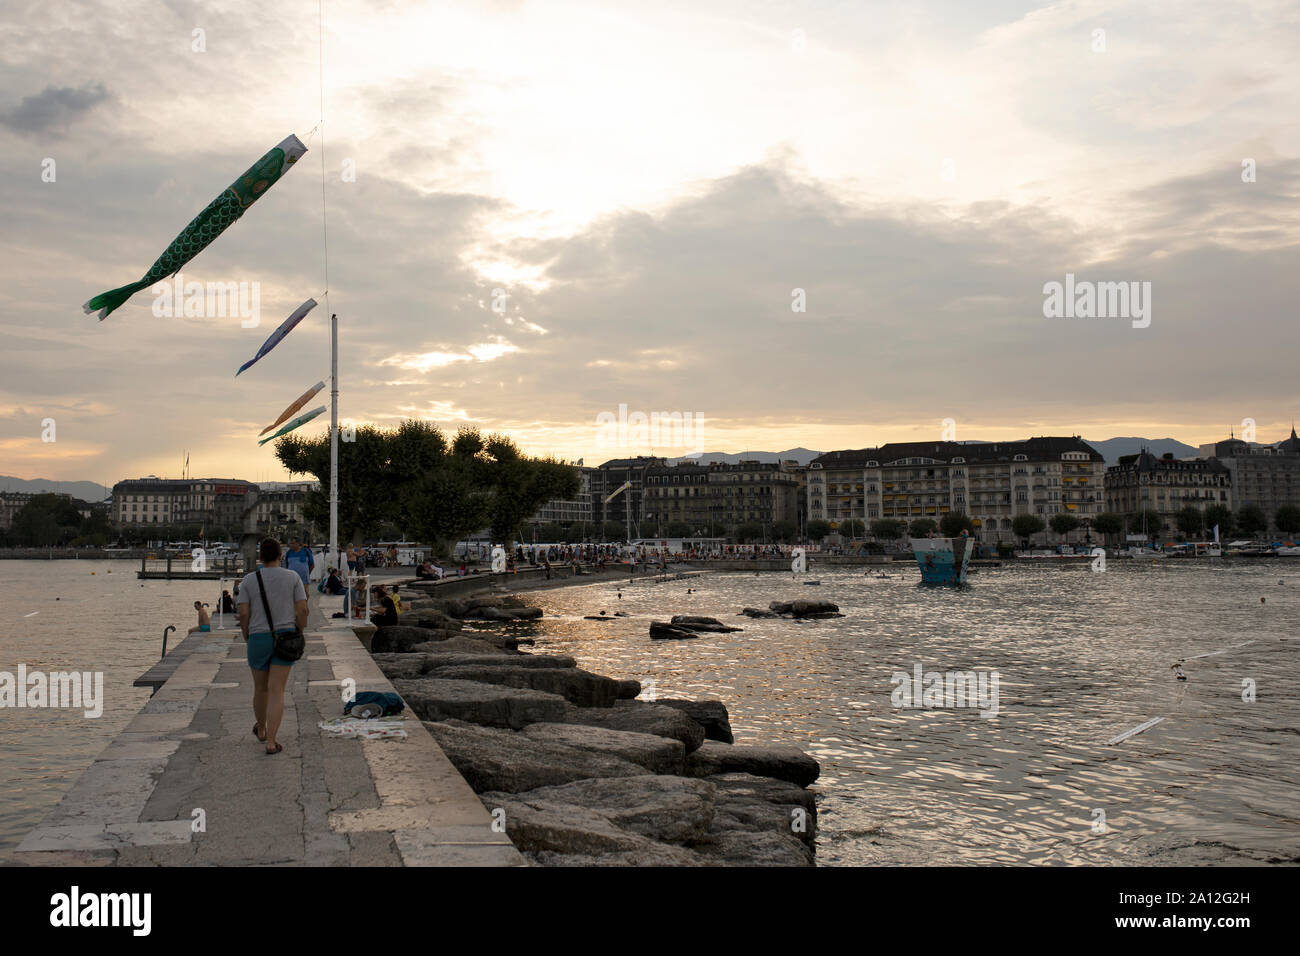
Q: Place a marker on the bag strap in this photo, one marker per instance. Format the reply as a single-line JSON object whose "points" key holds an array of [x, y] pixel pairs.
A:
{"points": [[266, 605]]}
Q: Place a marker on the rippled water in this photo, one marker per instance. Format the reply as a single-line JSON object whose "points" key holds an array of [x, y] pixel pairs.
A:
{"points": [[99, 622], [1081, 658]]}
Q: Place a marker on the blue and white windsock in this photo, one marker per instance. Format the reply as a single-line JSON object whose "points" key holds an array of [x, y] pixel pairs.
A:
{"points": [[278, 335]]}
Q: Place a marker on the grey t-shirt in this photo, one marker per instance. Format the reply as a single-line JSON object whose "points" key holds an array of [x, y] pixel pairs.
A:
{"points": [[283, 587]]}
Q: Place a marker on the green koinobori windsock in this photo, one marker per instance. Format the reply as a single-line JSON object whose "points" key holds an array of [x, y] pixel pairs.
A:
{"points": [[210, 223], [300, 420]]}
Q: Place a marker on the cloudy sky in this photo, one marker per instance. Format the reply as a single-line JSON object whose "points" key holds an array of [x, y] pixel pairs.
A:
{"points": [[654, 188]]}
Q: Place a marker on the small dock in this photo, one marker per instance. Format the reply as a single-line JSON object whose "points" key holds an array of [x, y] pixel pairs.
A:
{"points": [[183, 568], [187, 783]]}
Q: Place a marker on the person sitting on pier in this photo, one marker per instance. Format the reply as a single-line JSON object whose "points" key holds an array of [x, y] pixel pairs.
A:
{"points": [[227, 603], [205, 619], [333, 583], [287, 599], [388, 616]]}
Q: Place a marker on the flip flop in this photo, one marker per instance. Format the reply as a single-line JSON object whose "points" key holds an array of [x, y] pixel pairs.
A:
{"points": [[278, 748], [256, 728]]}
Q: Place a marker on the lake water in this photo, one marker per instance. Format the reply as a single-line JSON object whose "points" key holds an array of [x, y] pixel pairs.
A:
{"points": [[59, 616], [1081, 657]]}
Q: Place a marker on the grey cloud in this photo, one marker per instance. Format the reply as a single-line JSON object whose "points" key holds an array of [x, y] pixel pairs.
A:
{"points": [[54, 108]]}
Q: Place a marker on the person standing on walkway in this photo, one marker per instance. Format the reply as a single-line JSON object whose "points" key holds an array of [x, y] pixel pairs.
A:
{"points": [[299, 560], [287, 599]]}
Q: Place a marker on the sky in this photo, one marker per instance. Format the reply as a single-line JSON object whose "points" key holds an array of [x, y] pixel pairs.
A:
{"points": [[827, 225]]}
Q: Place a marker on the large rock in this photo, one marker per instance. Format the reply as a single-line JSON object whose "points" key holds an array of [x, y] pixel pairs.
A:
{"points": [[664, 808], [651, 854], [577, 686], [757, 612], [642, 718], [806, 608], [559, 828], [493, 705], [710, 714], [783, 763], [397, 638], [747, 848], [693, 623], [656, 754], [466, 645], [629, 689], [504, 760], [417, 664], [660, 631], [747, 802], [435, 620]]}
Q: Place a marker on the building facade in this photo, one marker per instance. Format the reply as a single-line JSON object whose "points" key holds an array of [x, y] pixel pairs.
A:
{"points": [[219, 502], [991, 482], [1167, 485], [279, 509], [609, 477], [716, 498], [1266, 476], [575, 510]]}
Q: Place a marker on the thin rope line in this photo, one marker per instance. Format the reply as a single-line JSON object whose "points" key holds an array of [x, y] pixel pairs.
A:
{"points": [[324, 225]]}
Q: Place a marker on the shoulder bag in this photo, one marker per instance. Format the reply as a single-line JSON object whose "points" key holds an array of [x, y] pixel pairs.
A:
{"points": [[288, 645]]}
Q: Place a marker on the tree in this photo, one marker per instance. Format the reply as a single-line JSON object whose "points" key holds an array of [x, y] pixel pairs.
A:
{"points": [[818, 529], [1063, 524], [613, 531], [1152, 521], [1222, 516], [679, 529], [1107, 524], [785, 531], [1287, 519], [749, 532], [1251, 520], [889, 529], [411, 476], [1026, 526], [46, 520], [954, 523], [852, 528], [920, 527], [1190, 522]]}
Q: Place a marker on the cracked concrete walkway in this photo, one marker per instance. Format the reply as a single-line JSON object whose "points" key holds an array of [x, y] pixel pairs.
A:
{"points": [[187, 783]]}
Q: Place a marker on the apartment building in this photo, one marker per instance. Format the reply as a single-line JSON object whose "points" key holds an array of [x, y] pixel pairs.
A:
{"points": [[992, 482]]}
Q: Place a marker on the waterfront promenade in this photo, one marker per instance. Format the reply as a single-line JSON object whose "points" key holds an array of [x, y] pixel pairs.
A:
{"points": [[186, 783]]}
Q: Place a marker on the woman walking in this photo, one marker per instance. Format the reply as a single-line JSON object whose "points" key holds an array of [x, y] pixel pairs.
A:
{"points": [[286, 600]]}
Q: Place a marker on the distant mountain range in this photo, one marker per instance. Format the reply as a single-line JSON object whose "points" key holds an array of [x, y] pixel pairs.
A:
{"points": [[1111, 449], [85, 490], [801, 455]]}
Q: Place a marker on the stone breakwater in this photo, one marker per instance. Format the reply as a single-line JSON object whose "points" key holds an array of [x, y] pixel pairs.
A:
{"points": [[578, 770]]}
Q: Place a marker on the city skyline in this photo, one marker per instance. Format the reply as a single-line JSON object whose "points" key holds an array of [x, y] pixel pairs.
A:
{"points": [[655, 194]]}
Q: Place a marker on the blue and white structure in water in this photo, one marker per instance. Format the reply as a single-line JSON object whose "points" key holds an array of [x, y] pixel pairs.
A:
{"points": [[943, 560]]}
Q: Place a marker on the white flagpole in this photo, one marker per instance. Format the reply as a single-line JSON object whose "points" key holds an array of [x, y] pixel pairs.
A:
{"points": [[334, 441]]}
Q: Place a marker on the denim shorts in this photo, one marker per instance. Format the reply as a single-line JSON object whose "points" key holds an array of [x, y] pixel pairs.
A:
{"points": [[261, 652]]}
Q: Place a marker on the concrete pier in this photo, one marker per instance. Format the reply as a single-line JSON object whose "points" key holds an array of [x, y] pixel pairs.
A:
{"points": [[187, 783]]}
